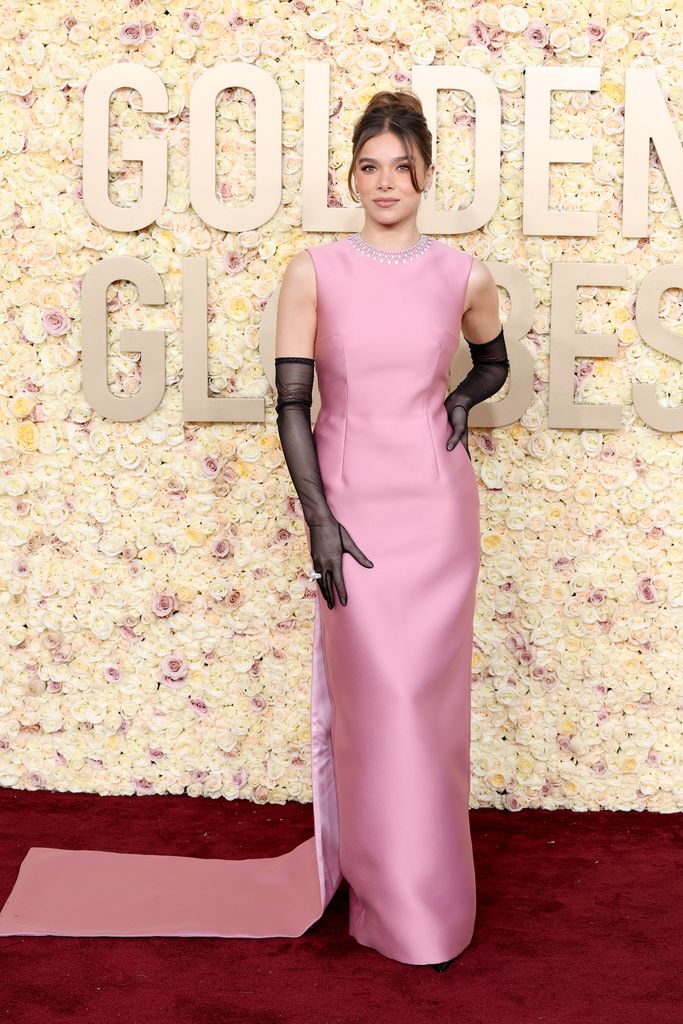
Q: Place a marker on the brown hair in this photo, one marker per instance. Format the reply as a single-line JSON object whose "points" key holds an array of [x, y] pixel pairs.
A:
{"points": [[398, 112]]}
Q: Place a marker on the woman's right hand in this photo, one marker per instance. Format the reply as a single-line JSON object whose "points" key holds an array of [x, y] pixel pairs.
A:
{"points": [[328, 541]]}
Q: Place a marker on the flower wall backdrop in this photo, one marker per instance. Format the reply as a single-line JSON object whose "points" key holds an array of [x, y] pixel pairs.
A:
{"points": [[157, 620]]}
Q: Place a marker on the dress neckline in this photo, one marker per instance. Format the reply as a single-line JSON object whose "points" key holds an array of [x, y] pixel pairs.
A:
{"points": [[391, 256]]}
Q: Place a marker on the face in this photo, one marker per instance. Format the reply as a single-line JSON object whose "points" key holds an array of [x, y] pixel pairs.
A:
{"points": [[382, 172]]}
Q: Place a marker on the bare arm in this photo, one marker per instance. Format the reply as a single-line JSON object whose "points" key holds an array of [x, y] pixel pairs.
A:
{"points": [[297, 317], [481, 319]]}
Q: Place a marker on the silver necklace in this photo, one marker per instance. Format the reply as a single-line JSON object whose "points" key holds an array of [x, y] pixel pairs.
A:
{"points": [[388, 255]]}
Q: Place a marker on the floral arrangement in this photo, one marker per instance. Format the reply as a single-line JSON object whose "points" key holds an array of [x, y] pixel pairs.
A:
{"points": [[157, 619]]}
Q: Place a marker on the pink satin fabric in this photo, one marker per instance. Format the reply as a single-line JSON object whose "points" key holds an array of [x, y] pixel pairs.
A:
{"points": [[391, 671]]}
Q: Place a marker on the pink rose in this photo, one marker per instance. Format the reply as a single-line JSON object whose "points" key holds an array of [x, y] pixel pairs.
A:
{"points": [[192, 21], [164, 604], [133, 33], [594, 31], [233, 263], [210, 466], [174, 666], [511, 802], [478, 34], [536, 34], [235, 20], [399, 78], [646, 590], [55, 322]]}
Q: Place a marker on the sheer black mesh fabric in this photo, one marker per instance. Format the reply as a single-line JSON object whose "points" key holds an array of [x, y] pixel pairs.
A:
{"points": [[294, 384], [329, 539], [487, 376]]}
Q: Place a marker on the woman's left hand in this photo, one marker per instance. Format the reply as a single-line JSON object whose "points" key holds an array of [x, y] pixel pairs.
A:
{"points": [[457, 418]]}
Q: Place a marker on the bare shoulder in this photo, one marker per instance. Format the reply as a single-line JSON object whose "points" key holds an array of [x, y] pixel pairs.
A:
{"points": [[481, 309], [297, 308], [299, 277], [481, 285], [479, 282]]}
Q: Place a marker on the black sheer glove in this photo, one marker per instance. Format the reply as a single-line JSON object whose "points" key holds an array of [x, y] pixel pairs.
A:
{"points": [[487, 376], [329, 539]]}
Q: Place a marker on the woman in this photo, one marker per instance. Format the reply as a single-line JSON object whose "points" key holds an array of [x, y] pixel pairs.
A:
{"points": [[386, 478]]}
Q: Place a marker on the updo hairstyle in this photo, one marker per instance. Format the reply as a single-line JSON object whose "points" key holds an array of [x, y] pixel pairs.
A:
{"points": [[402, 114]]}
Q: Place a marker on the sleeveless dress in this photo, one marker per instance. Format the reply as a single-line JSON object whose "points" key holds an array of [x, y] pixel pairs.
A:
{"points": [[391, 671]]}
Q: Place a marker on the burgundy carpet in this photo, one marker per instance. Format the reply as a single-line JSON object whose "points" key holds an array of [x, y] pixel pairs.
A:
{"points": [[579, 921]]}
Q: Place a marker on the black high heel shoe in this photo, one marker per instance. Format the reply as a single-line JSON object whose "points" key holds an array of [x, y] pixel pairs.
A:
{"points": [[442, 966]]}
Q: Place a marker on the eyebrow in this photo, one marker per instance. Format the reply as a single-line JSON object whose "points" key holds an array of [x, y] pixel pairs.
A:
{"points": [[404, 156]]}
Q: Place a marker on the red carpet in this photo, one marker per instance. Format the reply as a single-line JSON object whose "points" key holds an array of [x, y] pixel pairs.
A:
{"points": [[579, 922]]}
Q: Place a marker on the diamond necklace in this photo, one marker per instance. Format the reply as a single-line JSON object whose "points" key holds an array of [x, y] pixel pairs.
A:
{"points": [[388, 255]]}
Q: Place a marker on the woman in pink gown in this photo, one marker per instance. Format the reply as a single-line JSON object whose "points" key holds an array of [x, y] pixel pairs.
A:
{"points": [[385, 478]]}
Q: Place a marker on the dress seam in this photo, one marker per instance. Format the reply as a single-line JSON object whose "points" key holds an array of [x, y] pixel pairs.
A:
{"points": [[346, 416], [429, 419]]}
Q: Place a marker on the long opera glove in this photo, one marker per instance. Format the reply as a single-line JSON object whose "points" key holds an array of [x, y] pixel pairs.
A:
{"points": [[329, 539], [488, 374]]}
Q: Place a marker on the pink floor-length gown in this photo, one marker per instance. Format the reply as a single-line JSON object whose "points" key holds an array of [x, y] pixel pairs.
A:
{"points": [[391, 671]]}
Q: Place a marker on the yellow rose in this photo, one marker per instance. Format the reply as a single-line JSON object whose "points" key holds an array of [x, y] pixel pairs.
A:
{"points": [[490, 543], [27, 437], [22, 406]]}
